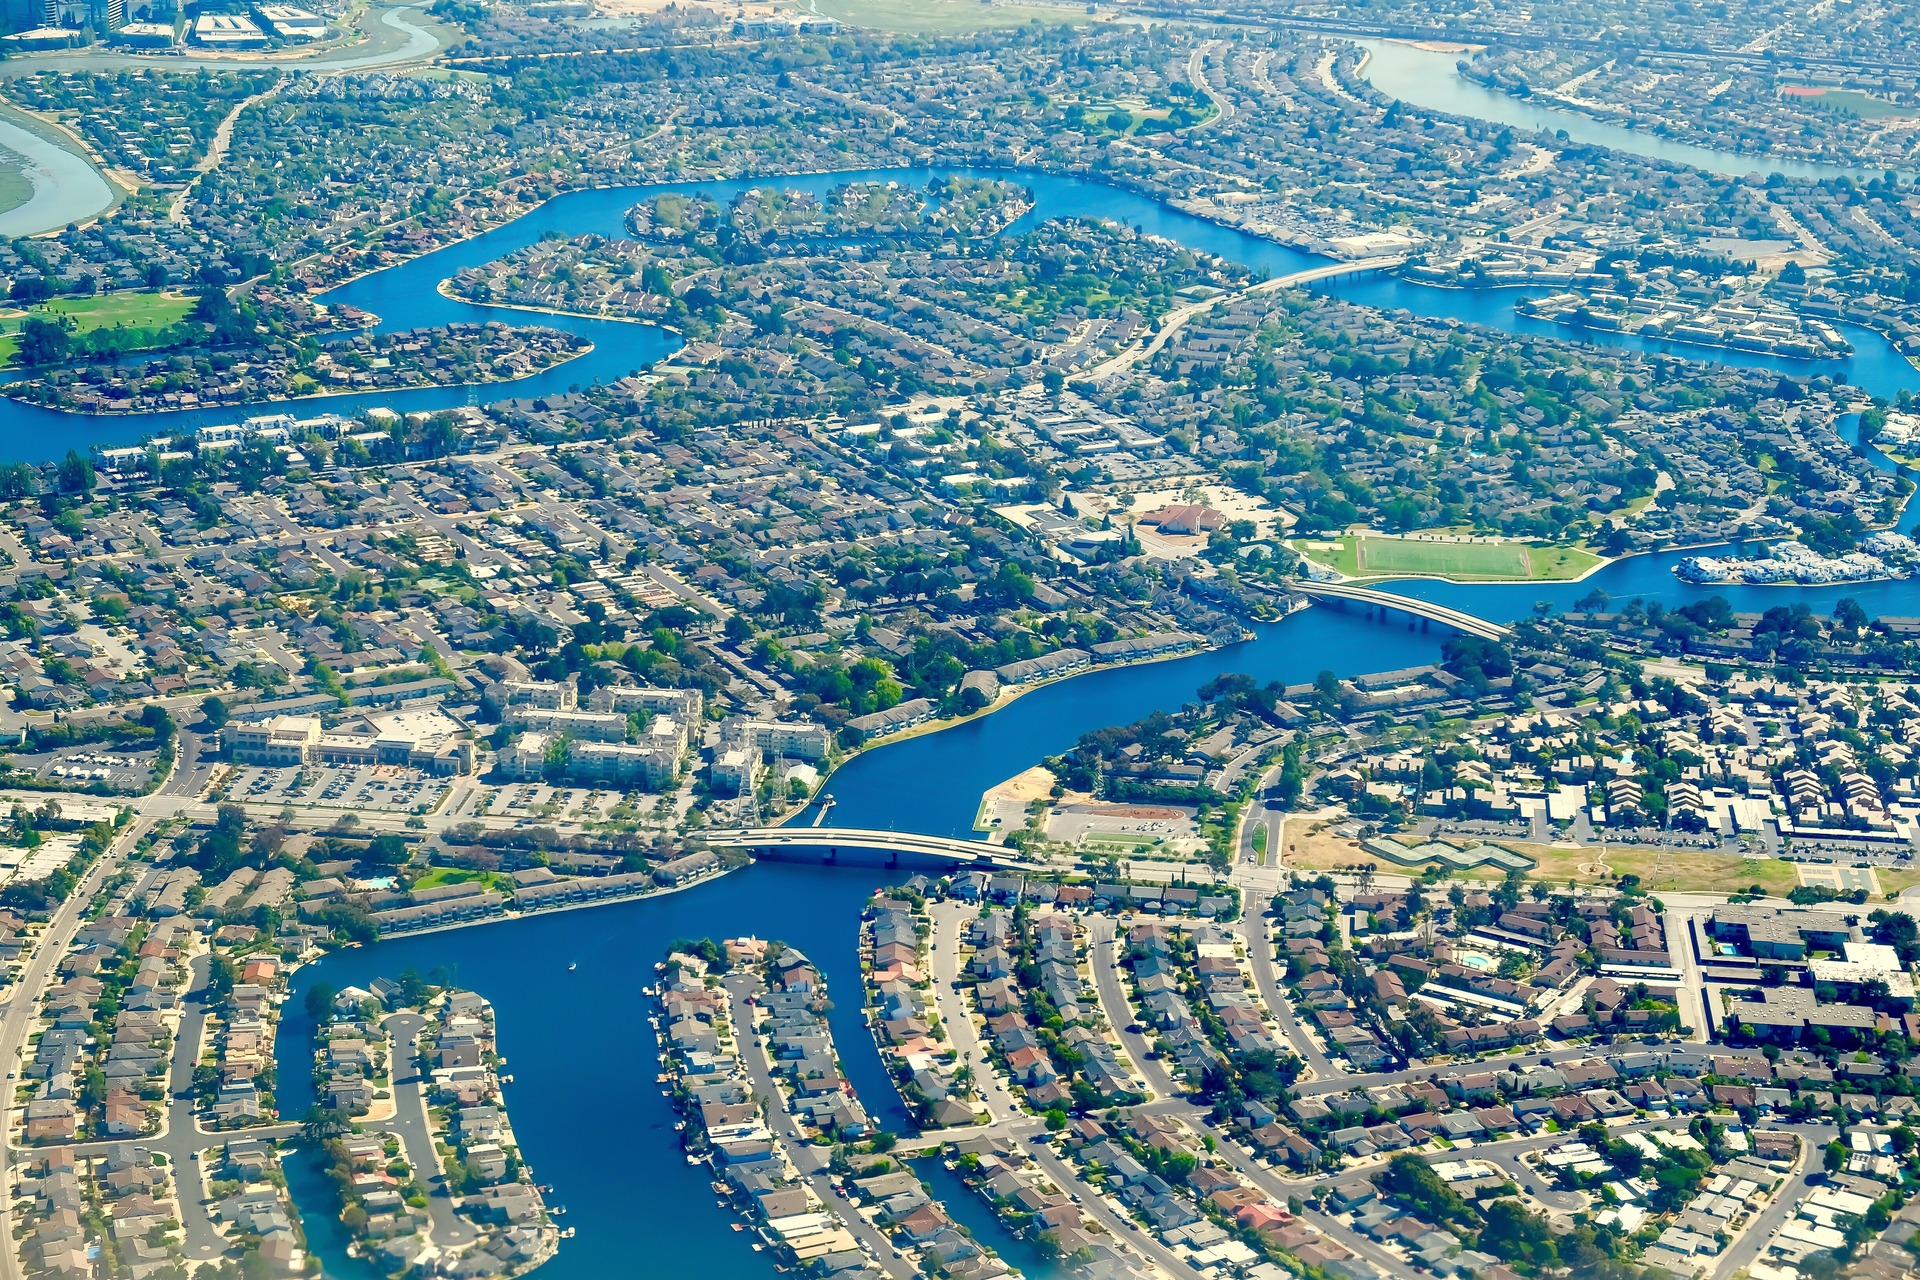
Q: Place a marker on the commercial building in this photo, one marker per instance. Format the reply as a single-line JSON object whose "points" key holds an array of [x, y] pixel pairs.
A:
{"points": [[228, 31], [277, 742], [1870, 970], [289, 23], [142, 35], [428, 740]]}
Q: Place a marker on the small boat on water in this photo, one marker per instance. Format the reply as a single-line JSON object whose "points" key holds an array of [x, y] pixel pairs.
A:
{"points": [[693, 1159], [739, 1226], [506, 1079], [573, 966]]}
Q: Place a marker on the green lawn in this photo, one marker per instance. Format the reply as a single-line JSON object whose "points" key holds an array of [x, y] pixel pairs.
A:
{"points": [[134, 310], [1363, 556], [1852, 101], [141, 310], [437, 876], [942, 17]]}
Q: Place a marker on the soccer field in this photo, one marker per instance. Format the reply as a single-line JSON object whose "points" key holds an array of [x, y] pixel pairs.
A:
{"points": [[1386, 556]]}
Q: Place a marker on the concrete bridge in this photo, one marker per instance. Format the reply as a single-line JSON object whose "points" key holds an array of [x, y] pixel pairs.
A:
{"points": [[856, 846], [1388, 602]]}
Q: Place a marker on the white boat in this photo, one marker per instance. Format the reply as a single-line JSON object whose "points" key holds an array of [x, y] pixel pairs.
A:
{"points": [[572, 967]]}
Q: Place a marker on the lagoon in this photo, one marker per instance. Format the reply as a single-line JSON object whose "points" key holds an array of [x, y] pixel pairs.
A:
{"points": [[1429, 79], [66, 186]]}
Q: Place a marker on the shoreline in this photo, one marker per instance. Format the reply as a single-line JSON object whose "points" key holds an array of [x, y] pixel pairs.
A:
{"points": [[528, 308], [560, 909], [328, 395], [1006, 699]]}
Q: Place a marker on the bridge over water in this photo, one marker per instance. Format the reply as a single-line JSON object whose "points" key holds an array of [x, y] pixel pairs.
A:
{"points": [[858, 846], [1388, 602]]}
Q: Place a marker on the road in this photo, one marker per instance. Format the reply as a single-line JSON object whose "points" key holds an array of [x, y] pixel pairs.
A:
{"points": [[1742, 1253], [1103, 954], [1094, 1205], [222, 140], [181, 1140], [949, 919], [1266, 978], [1172, 322], [449, 1230], [18, 1015]]}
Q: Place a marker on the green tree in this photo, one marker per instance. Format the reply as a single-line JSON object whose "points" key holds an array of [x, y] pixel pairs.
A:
{"points": [[43, 341], [1513, 1234]]}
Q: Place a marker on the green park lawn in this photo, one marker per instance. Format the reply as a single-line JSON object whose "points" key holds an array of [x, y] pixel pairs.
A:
{"points": [[1853, 102], [133, 310], [437, 876], [1362, 556]]}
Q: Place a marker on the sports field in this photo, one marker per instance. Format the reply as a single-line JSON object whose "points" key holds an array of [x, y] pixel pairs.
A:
{"points": [[133, 310], [1367, 556], [1443, 559]]}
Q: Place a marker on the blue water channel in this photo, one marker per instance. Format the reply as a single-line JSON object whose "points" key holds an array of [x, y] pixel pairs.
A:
{"points": [[406, 296]]}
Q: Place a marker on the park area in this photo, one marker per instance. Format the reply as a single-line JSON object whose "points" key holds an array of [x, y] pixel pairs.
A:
{"points": [[139, 312], [1457, 560], [1850, 102]]}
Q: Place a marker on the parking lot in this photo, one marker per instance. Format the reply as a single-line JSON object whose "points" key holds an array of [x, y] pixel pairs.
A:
{"points": [[538, 800], [378, 788], [98, 763]]}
